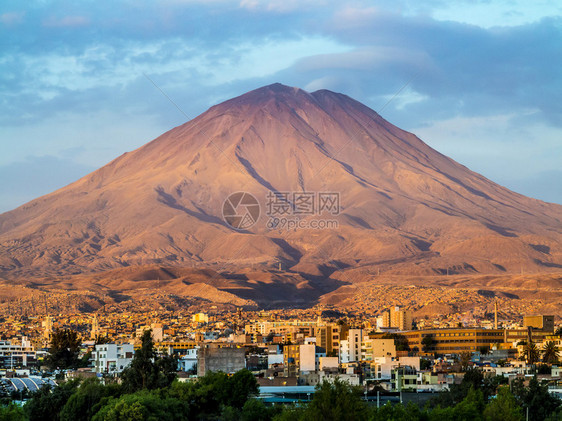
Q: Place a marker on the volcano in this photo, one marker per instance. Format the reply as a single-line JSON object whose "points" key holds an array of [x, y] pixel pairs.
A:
{"points": [[313, 184]]}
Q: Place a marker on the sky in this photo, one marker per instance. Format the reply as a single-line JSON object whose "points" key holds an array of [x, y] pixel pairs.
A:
{"points": [[480, 81]]}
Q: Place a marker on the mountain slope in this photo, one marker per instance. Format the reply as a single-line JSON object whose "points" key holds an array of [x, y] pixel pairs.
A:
{"points": [[404, 207]]}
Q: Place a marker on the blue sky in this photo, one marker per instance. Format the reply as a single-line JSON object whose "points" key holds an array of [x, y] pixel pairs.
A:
{"points": [[485, 79]]}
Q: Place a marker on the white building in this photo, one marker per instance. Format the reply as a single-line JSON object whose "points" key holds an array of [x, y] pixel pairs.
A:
{"points": [[188, 361], [350, 349], [112, 358], [16, 353]]}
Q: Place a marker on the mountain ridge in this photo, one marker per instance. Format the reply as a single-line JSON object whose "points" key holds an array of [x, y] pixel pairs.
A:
{"points": [[405, 207]]}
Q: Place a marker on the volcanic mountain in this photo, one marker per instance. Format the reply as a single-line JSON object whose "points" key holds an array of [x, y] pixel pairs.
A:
{"points": [[396, 205]]}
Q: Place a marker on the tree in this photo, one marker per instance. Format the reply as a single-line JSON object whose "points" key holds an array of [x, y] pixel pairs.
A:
{"points": [[425, 364], [532, 353], [148, 370], [64, 349], [558, 331], [46, 404], [100, 340], [11, 412], [471, 407], [550, 353], [504, 407], [540, 403], [336, 401], [464, 359], [428, 343], [87, 400], [143, 405]]}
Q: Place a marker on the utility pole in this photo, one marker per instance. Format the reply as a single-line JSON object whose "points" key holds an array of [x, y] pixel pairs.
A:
{"points": [[496, 314]]}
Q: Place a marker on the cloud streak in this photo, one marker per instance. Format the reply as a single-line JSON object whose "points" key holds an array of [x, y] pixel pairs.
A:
{"points": [[63, 70]]}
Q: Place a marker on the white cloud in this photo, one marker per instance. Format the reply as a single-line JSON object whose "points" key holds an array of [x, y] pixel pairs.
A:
{"points": [[12, 18], [66, 21]]}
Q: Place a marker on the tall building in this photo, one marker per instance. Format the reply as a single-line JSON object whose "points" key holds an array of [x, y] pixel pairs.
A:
{"points": [[47, 329], [350, 349], [95, 327], [400, 318], [328, 337], [386, 318]]}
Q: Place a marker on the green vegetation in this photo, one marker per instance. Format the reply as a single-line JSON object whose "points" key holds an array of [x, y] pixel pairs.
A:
{"points": [[550, 353], [218, 396], [149, 391], [64, 350], [148, 370]]}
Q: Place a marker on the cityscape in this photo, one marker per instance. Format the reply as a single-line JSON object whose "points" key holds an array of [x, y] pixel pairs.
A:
{"points": [[272, 210]]}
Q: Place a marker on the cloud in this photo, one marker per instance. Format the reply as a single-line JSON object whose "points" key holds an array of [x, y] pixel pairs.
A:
{"points": [[66, 22], [59, 74], [11, 18]]}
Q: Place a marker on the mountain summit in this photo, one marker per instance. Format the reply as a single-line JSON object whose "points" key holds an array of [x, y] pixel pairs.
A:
{"points": [[402, 207]]}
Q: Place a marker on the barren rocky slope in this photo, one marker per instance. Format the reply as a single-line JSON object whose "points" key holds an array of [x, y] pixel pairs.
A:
{"points": [[404, 207]]}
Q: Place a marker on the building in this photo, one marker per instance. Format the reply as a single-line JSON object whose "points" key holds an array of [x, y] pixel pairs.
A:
{"points": [[16, 353], [299, 359], [188, 361], [47, 325], [453, 341], [328, 337], [350, 349], [400, 318], [544, 323], [157, 332], [375, 348], [95, 331], [112, 358], [200, 318], [227, 359]]}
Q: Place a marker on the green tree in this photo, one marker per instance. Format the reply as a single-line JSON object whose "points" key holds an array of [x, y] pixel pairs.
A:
{"points": [[428, 343], [148, 370], [471, 407], [46, 404], [410, 412], [550, 353], [143, 405], [532, 353], [504, 407], [536, 398], [11, 412], [64, 349], [87, 400], [336, 401]]}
